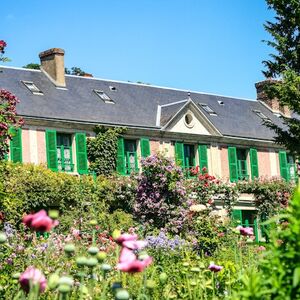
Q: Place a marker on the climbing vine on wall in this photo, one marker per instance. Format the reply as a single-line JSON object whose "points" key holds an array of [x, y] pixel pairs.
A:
{"points": [[102, 150]]}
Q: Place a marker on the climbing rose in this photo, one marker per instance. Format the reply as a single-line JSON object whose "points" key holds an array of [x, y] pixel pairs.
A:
{"points": [[32, 276], [39, 221]]}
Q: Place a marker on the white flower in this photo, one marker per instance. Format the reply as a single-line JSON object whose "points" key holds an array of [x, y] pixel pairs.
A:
{"points": [[198, 207]]}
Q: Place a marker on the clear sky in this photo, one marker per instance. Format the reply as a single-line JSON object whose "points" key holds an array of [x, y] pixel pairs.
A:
{"points": [[209, 46]]}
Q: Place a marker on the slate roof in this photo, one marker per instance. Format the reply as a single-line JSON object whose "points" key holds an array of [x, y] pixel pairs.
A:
{"points": [[135, 104]]}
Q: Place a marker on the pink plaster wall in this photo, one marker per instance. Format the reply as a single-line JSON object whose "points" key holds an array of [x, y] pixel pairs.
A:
{"points": [[154, 147], [264, 166], [25, 146], [224, 162], [41, 144], [277, 164]]}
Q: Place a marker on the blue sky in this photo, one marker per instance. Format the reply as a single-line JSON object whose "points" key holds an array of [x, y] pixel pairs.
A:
{"points": [[209, 46]]}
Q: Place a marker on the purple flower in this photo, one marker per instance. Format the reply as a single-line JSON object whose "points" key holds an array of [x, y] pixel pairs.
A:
{"points": [[245, 230], [214, 268]]}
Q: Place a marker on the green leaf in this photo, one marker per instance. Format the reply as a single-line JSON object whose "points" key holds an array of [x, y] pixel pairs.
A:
{"points": [[296, 277]]}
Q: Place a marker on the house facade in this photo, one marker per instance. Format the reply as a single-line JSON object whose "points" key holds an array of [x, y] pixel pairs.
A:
{"points": [[224, 134]]}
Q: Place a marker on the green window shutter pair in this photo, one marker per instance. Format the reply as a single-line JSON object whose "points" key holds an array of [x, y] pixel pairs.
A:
{"points": [[16, 145], [81, 152], [254, 163], [283, 164], [179, 154], [121, 164], [233, 166], [203, 161]]}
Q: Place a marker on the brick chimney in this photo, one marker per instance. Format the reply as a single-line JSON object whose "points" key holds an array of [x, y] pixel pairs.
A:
{"points": [[273, 104], [52, 62]]}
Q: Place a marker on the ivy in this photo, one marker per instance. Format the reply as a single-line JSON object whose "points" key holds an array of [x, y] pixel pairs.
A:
{"points": [[102, 150]]}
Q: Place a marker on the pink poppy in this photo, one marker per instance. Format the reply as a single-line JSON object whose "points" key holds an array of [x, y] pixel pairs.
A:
{"points": [[39, 221], [126, 237], [32, 276]]}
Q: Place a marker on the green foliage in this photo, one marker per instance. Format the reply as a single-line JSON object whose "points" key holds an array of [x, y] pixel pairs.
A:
{"points": [[33, 66], [271, 195], [102, 150], [281, 273], [285, 64], [75, 71]]}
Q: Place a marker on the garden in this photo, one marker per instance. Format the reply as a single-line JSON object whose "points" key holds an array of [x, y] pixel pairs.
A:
{"points": [[153, 235]]}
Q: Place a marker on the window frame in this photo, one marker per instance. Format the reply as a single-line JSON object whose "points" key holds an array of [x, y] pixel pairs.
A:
{"points": [[35, 91], [104, 97]]}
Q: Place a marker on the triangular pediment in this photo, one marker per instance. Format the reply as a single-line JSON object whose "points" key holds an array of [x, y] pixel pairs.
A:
{"points": [[186, 117]]}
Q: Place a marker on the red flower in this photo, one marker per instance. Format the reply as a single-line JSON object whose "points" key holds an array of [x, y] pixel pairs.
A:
{"points": [[39, 221]]}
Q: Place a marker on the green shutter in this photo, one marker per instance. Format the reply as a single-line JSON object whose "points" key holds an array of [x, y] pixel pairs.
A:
{"points": [[16, 145], [81, 153], [254, 163], [145, 147], [232, 160], [284, 170], [203, 162], [51, 149], [120, 157], [236, 216], [179, 154]]}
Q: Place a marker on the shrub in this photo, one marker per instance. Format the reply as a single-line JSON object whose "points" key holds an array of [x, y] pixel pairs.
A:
{"points": [[161, 196]]}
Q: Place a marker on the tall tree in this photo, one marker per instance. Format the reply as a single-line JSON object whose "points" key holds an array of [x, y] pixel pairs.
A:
{"points": [[284, 65]]}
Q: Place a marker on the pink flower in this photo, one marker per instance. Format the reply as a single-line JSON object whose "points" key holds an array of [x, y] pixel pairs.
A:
{"points": [[245, 230], [214, 268], [128, 262], [126, 237], [39, 221], [260, 248], [134, 245], [32, 276]]}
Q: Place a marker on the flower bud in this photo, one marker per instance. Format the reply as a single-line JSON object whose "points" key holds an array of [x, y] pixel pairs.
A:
{"points": [[105, 267], [195, 270], [93, 250], [69, 248], [116, 233], [3, 237], [53, 281], [53, 214], [64, 288], [163, 277], [150, 284], [65, 280], [91, 262], [101, 256], [81, 261], [16, 275], [93, 222], [122, 295]]}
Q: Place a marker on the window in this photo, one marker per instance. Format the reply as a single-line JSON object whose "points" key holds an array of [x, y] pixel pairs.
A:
{"points": [[185, 156], [189, 120], [104, 97], [131, 163], [238, 163], [288, 170], [207, 109], [242, 164], [32, 87], [64, 152], [262, 116], [246, 218], [59, 152]]}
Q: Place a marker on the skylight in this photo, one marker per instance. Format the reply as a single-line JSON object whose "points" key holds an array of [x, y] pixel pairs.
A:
{"points": [[207, 109], [32, 87], [112, 88], [104, 97], [262, 116]]}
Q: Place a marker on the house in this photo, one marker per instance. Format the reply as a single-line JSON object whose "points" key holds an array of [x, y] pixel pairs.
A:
{"points": [[224, 134]]}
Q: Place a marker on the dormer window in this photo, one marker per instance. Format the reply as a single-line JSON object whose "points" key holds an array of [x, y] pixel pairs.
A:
{"points": [[32, 88], [262, 116], [104, 97], [208, 109]]}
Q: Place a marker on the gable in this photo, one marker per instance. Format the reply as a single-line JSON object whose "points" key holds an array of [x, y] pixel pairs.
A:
{"points": [[191, 120]]}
